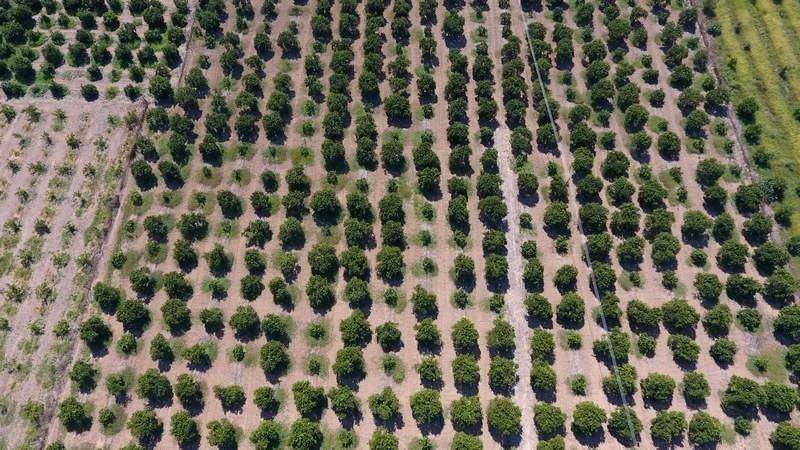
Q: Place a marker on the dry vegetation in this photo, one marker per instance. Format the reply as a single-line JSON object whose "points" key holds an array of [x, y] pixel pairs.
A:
{"points": [[372, 225]]}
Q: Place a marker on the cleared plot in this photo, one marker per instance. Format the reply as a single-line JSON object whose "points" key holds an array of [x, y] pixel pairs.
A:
{"points": [[63, 170]]}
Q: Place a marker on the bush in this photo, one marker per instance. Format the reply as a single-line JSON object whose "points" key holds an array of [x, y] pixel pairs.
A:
{"points": [[266, 399], [679, 315], [189, 391], [245, 322], [779, 397], [222, 434], [183, 428], [788, 322], [464, 441], [695, 387], [145, 426], [684, 349], [503, 417], [781, 287], [587, 419], [305, 435], [384, 405], [308, 400], [383, 440], [232, 398], [154, 387], [107, 297], [465, 413], [741, 396], [642, 316], [538, 307], [349, 364], [708, 286], [95, 333], [84, 375], [785, 436], [355, 329], [500, 339], [464, 336], [344, 402], [543, 377], [704, 429], [274, 358], [267, 435], [73, 415], [620, 421], [571, 309], [657, 387], [426, 407], [668, 426], [548, 418]]}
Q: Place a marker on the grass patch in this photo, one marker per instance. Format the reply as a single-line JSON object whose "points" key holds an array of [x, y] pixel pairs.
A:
{"points": [[318, 333], [119, 421], [769, 364], [394, 368], [301, 156]]}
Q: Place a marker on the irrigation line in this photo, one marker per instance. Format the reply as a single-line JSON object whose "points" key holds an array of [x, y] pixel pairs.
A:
{"points": [[595, 290]]}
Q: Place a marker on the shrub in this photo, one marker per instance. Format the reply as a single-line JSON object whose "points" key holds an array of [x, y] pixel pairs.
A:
{"points": [[267, 435], [708, 286], [189, 391], [587, 418], [548, 418], [657, 387], [145, 426], [742, 395], [500, 339], [308, 400], [704, 429], [642, 316], [465, 413], [84, 375], [344, 402], [305, 434], [788, 322], [543, 377], [571, 309], [73, 415], [426, 406], [384, 405], [274, 358], [222, 434], [355, 329], [349, 363], [684, 349], [266, 399], [183, 428], [383, 440], [779, 397], [245, 322], [695, 387], [786, 435], [538, 307], [668, 426], [620, 422], [231, 397], [154, 387], [678, 314], [503, 417]]}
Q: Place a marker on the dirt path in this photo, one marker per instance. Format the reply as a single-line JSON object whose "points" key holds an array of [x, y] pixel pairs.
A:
{"points": [[516, 313]]}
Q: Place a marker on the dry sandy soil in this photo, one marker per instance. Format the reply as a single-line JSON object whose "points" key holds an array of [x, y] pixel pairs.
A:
{"points": [[34, 362]]}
